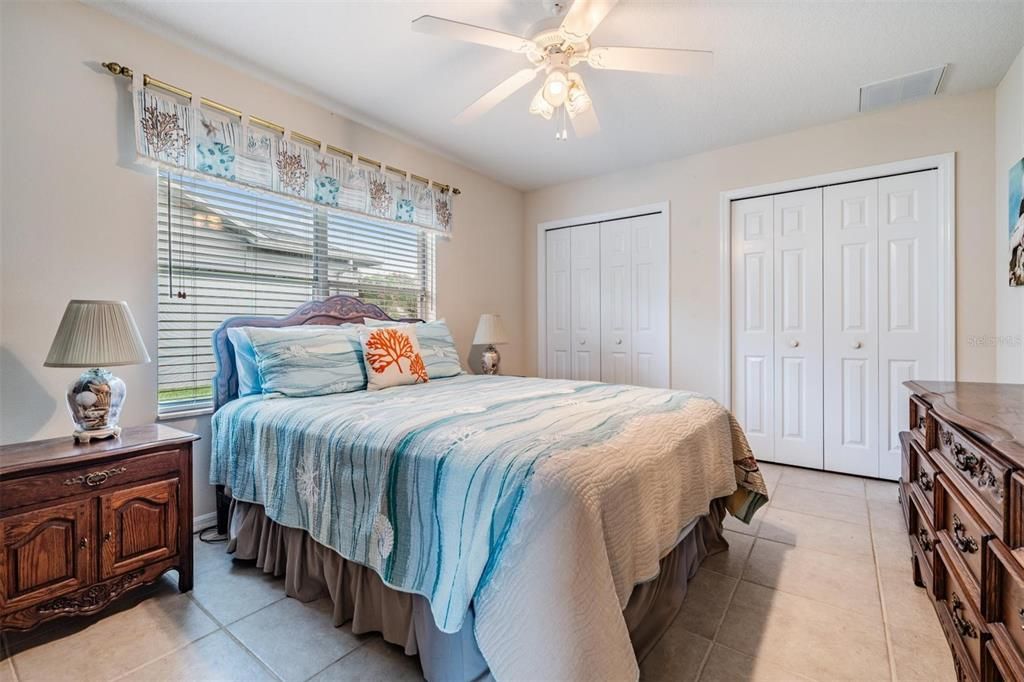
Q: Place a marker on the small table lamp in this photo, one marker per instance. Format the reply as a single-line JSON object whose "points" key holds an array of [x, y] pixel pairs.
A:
{"points": [[96, 334], [490, 332]]}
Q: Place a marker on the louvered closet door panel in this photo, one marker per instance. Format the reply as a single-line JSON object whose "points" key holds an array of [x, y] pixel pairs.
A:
{"points": [[558, 289], [908, 236], [585, 257], [616, 302], [753, 322], [798, 328], [649, 297], [851, 328]]}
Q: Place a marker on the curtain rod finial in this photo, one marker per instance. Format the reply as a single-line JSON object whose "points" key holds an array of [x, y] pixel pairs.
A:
{"points": [[117, 69]]}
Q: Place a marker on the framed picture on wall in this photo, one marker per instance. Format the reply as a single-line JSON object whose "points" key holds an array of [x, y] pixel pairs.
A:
{"points": [[1016, 194]]}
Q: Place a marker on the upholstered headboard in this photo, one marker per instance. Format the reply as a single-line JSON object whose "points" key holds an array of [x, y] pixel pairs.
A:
{"points": [[334, 310]]}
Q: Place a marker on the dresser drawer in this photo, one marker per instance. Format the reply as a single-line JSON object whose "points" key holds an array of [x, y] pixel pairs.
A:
{"points": [[1003, 665], [923, 472], [1015, 533], [1003, 605], [922, 542], [964, 626], [54, 485], [981, 472], [919, 422], [904, 499], [960, 530]]}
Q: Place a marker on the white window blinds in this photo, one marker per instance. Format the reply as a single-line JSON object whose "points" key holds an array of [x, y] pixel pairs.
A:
{"points": [[225, 251]]}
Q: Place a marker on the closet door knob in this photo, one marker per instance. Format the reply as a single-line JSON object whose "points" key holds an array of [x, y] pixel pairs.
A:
{"points": [[856, 344], [794, 343], [583, 342], [618, 342]]}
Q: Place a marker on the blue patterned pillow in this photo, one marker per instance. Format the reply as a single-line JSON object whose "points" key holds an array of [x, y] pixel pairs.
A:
{"points": [[305, 363], [436, 346]]}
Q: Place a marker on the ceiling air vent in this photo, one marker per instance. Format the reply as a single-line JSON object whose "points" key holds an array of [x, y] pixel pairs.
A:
{"points": [[901, 89]]}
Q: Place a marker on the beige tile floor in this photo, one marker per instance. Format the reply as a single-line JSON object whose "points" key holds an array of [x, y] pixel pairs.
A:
{"points": [[818, 587]]}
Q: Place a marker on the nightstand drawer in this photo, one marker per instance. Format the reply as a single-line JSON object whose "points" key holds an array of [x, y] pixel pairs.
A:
{"points": [[19, 492]]}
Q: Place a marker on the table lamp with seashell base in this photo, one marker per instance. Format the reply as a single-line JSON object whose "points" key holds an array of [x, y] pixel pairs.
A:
{"points": [[96, 334]]}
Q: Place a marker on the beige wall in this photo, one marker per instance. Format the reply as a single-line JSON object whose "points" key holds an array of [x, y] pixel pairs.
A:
{"points": [[78, 219], [962, 124], [1009, 148]]}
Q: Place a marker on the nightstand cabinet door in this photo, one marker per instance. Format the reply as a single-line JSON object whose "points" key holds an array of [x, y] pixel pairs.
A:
{"points": [[46, 553], [138, 526]]}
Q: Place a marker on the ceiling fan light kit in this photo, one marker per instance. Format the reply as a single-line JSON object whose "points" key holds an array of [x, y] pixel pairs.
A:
{"points": [[557, 49]]}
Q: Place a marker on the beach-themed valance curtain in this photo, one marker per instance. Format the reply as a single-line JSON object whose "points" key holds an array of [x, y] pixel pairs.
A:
{"points": [[187, 135]]}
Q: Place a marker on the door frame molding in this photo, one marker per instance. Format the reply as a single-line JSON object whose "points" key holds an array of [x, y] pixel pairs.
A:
{"points": [[945, 164], [542, 298]]}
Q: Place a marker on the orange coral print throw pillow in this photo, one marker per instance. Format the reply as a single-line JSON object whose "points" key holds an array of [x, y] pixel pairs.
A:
{"points": [[392, 356]]}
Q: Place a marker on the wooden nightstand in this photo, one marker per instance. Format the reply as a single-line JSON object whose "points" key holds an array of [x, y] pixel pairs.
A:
{"points": [[81, 525]]}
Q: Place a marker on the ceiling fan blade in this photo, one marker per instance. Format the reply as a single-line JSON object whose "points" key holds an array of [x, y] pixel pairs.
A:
{"points": [[583, 17], [651, 60], [490, 99], [586, 123], [456, 30]]}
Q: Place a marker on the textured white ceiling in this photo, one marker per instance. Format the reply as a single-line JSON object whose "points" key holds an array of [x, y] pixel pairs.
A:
{"points": [[779, 66]]}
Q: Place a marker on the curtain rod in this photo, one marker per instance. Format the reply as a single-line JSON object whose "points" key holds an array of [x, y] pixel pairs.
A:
{"points": [[148, 81]]}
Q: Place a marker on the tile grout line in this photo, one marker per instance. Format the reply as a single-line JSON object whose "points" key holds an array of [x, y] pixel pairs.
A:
{"points": [[732, 594], [223, 627], [881, 598]]}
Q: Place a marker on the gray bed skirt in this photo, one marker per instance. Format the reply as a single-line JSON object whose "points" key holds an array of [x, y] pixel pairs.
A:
{"points": [[359, 596]]}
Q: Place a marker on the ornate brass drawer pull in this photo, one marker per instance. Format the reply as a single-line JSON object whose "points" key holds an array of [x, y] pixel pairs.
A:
{"points": [[987, 479], [926, 541], [963, 626], [947, 438], [925, 480], [95, 478], [964, 542], [920, 422], [965, 461]]}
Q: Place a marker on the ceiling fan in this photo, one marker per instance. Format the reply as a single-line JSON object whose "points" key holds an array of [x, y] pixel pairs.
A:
{"points": [[556, 50]]}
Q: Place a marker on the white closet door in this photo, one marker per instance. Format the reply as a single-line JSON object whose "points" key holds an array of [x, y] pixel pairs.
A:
{"points": [[558, 304], [851, 328], [908, 236], [616, 302], [753, 322], [649, 297], [585, 258], [798, 328]]}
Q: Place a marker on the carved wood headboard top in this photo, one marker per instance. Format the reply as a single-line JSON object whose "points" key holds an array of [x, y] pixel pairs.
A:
{"points": [[332, 311]]}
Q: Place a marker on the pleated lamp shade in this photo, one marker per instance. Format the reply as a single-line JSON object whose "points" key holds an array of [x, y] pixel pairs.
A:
{"points": [[490, 331], [97, 334]]}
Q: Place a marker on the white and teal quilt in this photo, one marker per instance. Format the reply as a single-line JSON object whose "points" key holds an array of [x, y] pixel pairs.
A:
{"points": [[440, 487]]}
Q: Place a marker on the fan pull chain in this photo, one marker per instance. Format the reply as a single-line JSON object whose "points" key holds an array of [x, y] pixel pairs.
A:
{"points": [[563, 134]]}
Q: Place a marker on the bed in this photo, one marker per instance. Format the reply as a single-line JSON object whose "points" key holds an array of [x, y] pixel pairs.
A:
{"points": [[511, 527]]}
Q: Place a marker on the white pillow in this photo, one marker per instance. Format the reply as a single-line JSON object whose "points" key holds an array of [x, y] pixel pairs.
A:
{"points": [[436, 346], [392, 357]]}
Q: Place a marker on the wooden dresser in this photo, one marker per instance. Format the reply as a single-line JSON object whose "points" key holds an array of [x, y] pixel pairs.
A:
{"points": [[81, 525], [962, 492]]}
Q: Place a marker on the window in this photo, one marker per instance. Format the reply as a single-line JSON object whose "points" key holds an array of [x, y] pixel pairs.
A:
{"points": [[225, 251]]}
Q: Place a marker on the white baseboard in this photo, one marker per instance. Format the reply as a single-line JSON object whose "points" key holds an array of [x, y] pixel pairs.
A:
{"points": [[204, 520]]}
